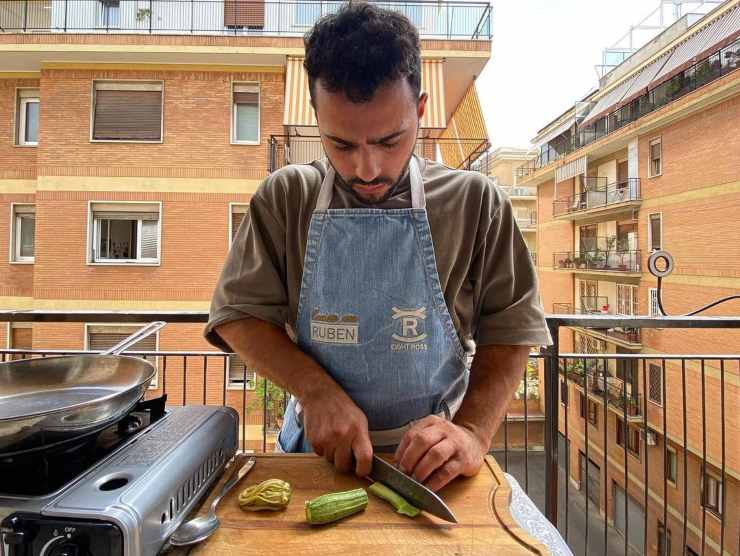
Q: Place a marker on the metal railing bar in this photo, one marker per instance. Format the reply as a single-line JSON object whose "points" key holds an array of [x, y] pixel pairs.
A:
{"points": [[703, 458], [184, 378], [685, 459], [567, 451], [645, 467], [606, 467], [665, 446], [205, 379], [626, 477], [587, 465], [244, 409], [264, 415], [723, 509], [226, 378], [526, 434]]}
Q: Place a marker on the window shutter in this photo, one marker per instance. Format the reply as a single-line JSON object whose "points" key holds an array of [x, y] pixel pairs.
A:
{"points": [[244, 13], [110, 215], [132, 115], [100, 341], [149, 233], [655, 386], [236, 221]]}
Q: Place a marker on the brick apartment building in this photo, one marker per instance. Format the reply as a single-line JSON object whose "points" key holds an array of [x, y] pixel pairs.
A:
{"points": [[650, 161], [131, 140]]}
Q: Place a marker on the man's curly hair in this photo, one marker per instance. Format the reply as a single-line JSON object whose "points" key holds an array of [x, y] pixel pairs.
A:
{"points": [[360, 48]]}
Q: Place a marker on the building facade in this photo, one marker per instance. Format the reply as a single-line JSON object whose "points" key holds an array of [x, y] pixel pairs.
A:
{"points": [[648, 162]]}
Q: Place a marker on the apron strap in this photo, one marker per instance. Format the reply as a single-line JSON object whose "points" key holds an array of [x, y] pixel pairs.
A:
{"points": [[418, 200]]}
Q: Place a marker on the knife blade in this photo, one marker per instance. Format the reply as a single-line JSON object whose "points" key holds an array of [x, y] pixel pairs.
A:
{"points": [[413, 491]]}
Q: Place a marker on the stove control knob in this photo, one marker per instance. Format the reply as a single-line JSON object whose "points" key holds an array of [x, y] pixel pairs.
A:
{"points": [[67, 548]]}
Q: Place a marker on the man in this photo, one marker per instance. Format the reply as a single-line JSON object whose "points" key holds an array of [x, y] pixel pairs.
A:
{"points": [[364, 284]]}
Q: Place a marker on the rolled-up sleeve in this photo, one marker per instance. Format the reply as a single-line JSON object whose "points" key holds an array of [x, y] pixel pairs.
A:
{"points": [[510, 311], [252, 282]]}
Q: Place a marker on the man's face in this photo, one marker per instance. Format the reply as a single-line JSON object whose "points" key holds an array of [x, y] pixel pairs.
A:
{"points": [[369, 144]]}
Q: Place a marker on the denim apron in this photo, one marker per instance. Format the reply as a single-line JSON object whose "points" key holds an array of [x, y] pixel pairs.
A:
{"points": [[372, 313]]}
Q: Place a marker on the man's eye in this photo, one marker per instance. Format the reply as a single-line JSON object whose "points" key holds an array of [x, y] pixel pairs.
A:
{"points": [[389, 145], [341, 147]]}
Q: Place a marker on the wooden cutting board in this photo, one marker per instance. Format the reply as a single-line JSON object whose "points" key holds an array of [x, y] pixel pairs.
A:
{"points": [[480, 503]]}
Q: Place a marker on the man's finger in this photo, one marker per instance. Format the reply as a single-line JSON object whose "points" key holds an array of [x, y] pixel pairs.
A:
{"points": [[443, 475], [363, 451], [426, 422], [343, 458], [421, 440], [434, 459]]}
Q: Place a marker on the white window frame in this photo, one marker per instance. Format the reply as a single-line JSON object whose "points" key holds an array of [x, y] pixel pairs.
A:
{"points": [[127, 85], [154, 384], [232, 207], [651, 142], [104, 5], [14, 245], [653, 306], [629, 301], [234, 386], [670, 450], [720, 492], [22, 106], [93, 231], [259, 113], [650, 231]]}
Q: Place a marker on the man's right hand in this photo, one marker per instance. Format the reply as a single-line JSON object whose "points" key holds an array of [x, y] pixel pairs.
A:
{"points": [[337, 430]]}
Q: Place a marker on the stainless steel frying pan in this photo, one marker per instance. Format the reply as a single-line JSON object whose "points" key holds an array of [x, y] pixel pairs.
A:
{"points": [[54, 399]]}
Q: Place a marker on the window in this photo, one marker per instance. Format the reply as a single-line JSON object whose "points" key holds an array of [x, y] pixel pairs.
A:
{"points": [[563, 392], [671, 466], [582, 404], [655, 232], [109, 14], [127, 111], [20, 336], [632, 436], [712, 494], [238, 373], [656, 158], [245, 125], [653, 301], [100, 337], [593, 413], [655, 383], [125, 233], [238, 213], [627, 300], [27, 118], [23, 233], [664, 540]]}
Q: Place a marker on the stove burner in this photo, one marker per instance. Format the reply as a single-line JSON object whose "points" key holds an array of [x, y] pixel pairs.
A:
{"points": [[44, 471]]}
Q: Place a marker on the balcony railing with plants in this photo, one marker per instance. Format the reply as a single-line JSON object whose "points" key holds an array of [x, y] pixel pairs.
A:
{"points": [[718, 64], [598, 260], [438, 20], [598, 194], [526, 220], [518, 191]]}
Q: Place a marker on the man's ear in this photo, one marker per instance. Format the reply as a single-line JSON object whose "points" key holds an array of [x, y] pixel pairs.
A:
{"points": [[421, 106]]}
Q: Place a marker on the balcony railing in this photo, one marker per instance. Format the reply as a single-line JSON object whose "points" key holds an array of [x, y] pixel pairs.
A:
{"points": [[562, 308], [594, 304], [605, 261], [437, 20], [528, 220], [598, 197], [670, 395], [519, 191], [533, 254], [291, 149]]}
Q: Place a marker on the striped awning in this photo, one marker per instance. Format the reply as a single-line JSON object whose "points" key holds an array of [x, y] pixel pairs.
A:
{"points": [[298, 109], [607, 101], [466, 134], [299, 112], [639, 84]]}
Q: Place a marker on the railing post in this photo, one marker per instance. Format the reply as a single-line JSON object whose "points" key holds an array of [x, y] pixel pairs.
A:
{"points": [[65, 15], [25, 16], [551, 424], [151, 16]]}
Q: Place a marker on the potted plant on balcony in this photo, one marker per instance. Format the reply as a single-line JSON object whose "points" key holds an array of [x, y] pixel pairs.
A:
{"points": [[142, 14], [580, 262], [567, 262]]}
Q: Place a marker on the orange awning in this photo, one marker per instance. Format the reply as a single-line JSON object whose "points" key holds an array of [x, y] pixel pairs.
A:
{"points": [[466, 134], [299, 112]]}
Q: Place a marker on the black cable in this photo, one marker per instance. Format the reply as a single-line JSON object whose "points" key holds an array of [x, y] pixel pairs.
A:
{"points": [[697, 311]]}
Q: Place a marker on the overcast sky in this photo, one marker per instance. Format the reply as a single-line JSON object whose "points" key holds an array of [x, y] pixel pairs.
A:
{"points": [[542, 59]]}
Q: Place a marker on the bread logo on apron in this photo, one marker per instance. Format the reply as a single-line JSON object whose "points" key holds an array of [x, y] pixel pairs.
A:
{"points": [[410, 324]]}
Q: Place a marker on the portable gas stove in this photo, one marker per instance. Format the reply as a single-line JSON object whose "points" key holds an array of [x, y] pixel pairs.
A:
{"points": [[120, 492]]}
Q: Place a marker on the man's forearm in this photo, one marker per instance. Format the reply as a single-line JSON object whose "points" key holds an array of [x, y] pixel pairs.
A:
{"points": [[494, 378], [268, 348]]}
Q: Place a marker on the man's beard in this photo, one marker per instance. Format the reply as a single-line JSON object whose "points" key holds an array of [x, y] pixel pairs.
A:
{"points": [[388, 194]]}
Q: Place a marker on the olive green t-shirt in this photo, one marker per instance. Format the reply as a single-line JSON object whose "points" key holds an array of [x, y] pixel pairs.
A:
{"points": [[486, 273]]}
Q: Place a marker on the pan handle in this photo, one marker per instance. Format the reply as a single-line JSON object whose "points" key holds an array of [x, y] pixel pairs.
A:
{"points": [[135, 337]]}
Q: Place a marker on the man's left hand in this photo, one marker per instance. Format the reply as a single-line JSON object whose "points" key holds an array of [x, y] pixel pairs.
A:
{"points": [[435, 451]]}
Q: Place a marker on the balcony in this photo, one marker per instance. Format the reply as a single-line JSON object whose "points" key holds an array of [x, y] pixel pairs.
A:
{"points": [[599, 198], [629, 338], [623, 263], [527, 222], [533, 254], [519, 192], [538, 461], [292, 149], [435, 20]]}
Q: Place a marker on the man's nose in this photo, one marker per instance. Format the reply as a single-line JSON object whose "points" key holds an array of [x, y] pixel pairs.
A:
{"points": [[367, 167]]}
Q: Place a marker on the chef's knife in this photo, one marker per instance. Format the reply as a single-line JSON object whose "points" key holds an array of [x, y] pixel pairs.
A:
{"points": [[413, 491]]}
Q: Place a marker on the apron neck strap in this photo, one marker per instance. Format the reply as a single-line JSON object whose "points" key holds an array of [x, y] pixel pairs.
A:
{"points": [[418, 200]]}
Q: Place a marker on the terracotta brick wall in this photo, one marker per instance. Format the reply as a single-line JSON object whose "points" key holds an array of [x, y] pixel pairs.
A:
{"points": [[15, 279], [15, 162]]}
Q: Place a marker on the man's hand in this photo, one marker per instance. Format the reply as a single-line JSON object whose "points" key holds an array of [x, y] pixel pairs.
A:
{"points": [[337, 430], [435, 451]]}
